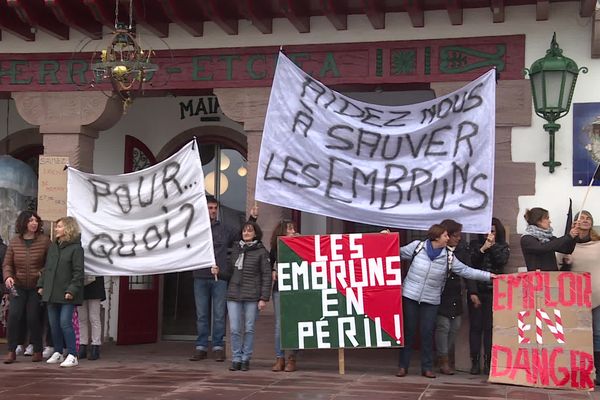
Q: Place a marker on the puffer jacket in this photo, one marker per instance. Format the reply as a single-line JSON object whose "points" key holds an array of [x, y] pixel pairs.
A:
{"points": [[426, 278], [63, 273], [24, 264], [253, 281]]}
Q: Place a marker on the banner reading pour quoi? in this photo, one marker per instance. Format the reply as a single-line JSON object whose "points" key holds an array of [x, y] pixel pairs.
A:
{"points": [[340, 291], [543, 330]]}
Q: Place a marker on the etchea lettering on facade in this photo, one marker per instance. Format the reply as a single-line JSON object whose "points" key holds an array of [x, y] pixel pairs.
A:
{"points": [[381, 62]]}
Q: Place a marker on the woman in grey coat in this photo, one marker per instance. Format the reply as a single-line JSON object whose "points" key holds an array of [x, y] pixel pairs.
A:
{"points": [[431, 264], [249, 291]]}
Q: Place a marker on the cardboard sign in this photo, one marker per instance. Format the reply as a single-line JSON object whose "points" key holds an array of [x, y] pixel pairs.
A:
{"points": [[52, 188], [543, 330], [340, 291]]}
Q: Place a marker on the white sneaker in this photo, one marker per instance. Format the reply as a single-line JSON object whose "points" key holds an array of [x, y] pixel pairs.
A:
{"points": [[28, 350], [55, 358], [19, 350], [71, 361], [48, 351]]}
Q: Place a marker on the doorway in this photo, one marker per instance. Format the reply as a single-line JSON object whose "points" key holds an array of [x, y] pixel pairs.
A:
{"points": [[228, 184]]}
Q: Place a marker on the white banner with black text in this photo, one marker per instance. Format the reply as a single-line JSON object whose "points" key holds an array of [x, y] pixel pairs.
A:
{"points": [[394, 166], [152, 221]]}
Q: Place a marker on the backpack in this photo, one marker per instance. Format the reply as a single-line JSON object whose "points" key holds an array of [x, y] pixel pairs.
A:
{"points": [[449, 257]]}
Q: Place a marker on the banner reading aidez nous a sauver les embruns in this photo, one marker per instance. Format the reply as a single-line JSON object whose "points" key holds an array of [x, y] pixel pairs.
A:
{"points": [[340, 291]]}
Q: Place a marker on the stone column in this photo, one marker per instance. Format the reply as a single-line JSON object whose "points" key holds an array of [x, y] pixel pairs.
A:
{"points": [[69, 121], [249, 106]]}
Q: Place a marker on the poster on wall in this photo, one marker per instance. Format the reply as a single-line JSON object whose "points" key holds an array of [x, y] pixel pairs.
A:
{"points": [[542, 333], [586, 142], [340, 291]]}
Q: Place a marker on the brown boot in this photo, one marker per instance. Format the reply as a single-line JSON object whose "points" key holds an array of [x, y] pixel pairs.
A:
{"points": [[291, 364], [36, 357], [444, 366], [279, 365], [11, 357]]}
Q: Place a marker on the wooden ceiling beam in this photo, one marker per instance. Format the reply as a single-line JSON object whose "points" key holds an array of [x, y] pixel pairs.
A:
{"points": [[260, 17], [151, 17], [76, 15], [497, 7], [542, 10], [35, 14], [219, 12], [375, 12], [296, 11], [336, 13], [187, 14], [104, 12], [455, 11], [10, 21], [415, 12], [587, 8]]}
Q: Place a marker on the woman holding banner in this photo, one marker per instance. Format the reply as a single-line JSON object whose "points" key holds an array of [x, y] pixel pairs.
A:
{"points": [[585, 259], [61, 286], [431, 264], [539, 245], [284, 228], [248, 292]]}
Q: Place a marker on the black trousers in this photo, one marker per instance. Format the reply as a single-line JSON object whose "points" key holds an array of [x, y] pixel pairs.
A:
{"points": [[25, 304], [480, 325]]}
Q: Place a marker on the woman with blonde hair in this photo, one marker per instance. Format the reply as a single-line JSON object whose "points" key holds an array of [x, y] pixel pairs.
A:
{"points": [[61, 286], [585, 259]]}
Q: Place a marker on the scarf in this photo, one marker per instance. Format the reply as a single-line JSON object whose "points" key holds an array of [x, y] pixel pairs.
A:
{"points": [[543, 235], [239, 263], [431, 252]]}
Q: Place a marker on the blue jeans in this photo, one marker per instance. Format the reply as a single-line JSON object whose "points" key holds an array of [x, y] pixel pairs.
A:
{"points": [[242, 314], [60, 317], [207, 292], [596, 327], [424, 315]]}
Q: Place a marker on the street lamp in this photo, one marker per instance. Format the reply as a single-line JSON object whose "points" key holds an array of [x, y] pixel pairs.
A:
{"points": [[553, 79]]}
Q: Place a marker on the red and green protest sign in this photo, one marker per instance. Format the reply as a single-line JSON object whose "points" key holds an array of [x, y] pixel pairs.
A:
{"points": [[543, 330], [340, 291]]}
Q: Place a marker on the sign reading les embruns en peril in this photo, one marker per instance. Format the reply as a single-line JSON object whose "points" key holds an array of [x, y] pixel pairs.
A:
{"points": [[543, 330], [340, 291]]}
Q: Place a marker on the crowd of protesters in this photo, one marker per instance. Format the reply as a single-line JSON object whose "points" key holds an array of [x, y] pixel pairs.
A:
{"points": [[46, 281]]}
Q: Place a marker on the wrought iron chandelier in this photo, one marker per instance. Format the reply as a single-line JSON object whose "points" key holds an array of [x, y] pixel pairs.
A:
{"points": [[123, 62]]}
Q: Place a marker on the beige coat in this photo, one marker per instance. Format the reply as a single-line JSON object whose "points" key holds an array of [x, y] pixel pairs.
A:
{"points": [[586, 258]]}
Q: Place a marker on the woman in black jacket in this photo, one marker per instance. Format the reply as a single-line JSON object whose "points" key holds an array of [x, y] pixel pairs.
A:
{"points": [[89, 317], [489, 253], [539, 245], [248, 292]]}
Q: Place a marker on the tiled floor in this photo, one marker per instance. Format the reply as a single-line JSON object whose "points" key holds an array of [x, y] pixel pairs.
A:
{"points": [[162, 371]]}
